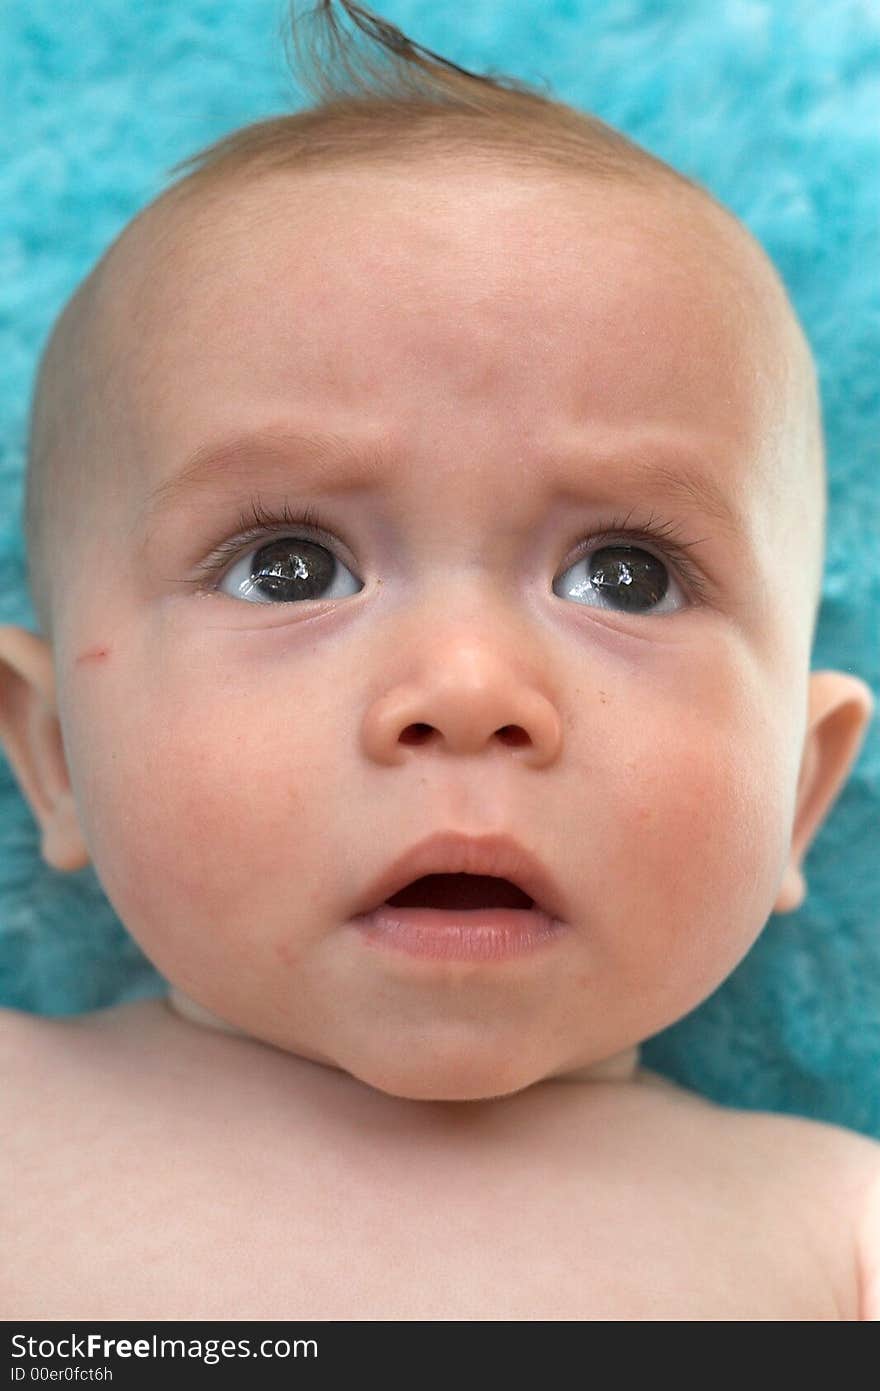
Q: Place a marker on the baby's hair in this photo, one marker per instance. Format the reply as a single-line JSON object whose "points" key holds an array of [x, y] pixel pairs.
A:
{"points": [[405, 100]]}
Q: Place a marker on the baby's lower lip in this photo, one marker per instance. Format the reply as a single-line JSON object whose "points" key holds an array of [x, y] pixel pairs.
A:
{"points": [[456, 934]]}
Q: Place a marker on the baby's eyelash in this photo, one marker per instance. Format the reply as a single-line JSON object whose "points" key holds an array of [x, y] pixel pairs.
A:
{"points": [[255, 528], [662, 536]]}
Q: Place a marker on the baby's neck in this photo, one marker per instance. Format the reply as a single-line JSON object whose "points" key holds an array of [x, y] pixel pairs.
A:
{"points": [[622, 1067]]}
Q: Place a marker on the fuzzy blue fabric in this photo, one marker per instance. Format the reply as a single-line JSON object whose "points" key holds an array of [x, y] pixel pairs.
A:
{"points": [[772, 104]]}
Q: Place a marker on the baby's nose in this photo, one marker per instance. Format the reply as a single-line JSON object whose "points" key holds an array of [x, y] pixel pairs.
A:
{"points": [[465, 702]]}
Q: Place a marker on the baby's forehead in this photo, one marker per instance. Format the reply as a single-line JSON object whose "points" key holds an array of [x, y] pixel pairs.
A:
{"points": [[219, 229], [194, 260], [338, 240]]}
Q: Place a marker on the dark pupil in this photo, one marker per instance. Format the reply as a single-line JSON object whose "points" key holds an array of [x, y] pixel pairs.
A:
{"points": [[293, 569], [631, 578]]}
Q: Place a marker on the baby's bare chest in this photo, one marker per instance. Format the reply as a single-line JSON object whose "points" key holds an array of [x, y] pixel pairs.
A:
{"points": [[229, 1213]]}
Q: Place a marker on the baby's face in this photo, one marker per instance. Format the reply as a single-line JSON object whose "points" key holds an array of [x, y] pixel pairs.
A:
{"points": [[506, 378]]}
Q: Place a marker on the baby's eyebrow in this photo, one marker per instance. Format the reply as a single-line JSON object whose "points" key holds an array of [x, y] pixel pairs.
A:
{"points": [[645, 468], [317, 459]]}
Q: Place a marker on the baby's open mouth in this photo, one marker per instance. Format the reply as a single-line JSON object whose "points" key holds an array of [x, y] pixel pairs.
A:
{"points": [[476, 918], [461, 891]]}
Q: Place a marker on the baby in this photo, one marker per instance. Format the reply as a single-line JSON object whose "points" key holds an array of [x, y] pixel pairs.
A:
{"points": [[515, 430]]}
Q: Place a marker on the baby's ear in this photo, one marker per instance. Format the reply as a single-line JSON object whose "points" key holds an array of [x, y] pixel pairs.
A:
{"points": [[840, 709], [30, 732]]}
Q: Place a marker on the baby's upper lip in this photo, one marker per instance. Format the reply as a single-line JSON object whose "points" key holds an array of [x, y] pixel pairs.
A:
{"points": [[449, 852]]}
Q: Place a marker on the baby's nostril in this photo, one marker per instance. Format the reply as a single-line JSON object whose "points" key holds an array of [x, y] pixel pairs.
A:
{"points": [[416, 733], [514, 735], [464, 891]]}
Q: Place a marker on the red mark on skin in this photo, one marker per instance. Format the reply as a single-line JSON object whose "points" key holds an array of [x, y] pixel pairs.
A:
{"points": [[93, 654], [287, 953]]}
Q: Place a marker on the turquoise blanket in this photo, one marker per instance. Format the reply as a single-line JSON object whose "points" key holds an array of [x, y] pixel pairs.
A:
{"points": [[774, 105]]}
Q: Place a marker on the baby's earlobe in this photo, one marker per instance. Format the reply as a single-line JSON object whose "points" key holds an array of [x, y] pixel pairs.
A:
{"points": [[792, 890], [63, 847]]}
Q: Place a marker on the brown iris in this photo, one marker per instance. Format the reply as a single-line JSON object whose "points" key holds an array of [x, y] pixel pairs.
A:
{"points": [[629, 578]]}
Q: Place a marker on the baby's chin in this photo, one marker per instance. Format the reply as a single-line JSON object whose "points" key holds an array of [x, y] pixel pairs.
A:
{"points": [[442, 1080], [483, 1078], [451, 1075], [486, 1078]]}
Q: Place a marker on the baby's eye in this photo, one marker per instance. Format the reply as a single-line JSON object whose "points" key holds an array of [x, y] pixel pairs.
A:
{"points": [[287, 569], [625, 579]]}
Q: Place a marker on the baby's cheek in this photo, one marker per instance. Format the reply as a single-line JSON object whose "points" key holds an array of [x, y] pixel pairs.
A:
{"points": [[709, 834], [192, 822]]}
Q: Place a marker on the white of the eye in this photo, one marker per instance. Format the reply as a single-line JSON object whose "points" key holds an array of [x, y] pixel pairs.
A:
{"points": [[582, 590], [248, 586]]}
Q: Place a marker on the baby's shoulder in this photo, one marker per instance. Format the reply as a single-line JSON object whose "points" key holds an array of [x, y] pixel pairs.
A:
{"points": [[852, 1186], [817, 1159], [51, 1065], [839, 1169], [35, 1070], [25, 1041], [826, 1175]]}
